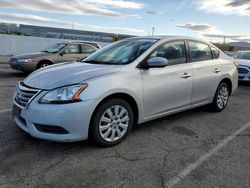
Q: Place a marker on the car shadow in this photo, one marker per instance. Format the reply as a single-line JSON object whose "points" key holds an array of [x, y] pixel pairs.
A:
{"points": [[13, 74], [244, 83]]}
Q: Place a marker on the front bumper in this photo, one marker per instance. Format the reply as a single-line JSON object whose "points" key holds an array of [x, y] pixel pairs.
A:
{"points": [[74, 118], [25, 67], [244, 73]]}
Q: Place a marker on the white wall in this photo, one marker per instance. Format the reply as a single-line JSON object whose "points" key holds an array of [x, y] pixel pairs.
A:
{"points": [[14, 45]]}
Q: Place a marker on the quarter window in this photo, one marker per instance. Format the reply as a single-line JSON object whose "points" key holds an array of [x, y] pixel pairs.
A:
{"points": [[199, 52], [174, 52]]}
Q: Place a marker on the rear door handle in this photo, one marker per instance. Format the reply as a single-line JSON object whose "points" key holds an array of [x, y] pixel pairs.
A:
{"points": [[216, 70], [186, 75]]}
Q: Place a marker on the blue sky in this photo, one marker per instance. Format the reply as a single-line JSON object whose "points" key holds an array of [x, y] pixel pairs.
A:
{"points": [[136, 17]]}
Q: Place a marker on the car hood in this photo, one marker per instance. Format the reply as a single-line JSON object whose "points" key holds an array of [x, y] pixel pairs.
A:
{"points": [[31, 55], [243, 62], [66, 74]]}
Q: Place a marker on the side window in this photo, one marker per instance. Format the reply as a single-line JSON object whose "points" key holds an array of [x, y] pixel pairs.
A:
{"points": [[215, 52], [174, 52], [72, 49], [87, 49], [199, 51]]}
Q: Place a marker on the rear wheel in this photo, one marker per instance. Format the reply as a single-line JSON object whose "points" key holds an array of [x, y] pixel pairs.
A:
{"points": [[221, 97], [112, 122]]}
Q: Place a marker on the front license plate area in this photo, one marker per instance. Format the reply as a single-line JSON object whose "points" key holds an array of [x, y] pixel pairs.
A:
{"points": [[16, 111]]}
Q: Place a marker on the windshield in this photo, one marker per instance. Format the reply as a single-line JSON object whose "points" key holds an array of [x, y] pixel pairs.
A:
{"points": [[54, 48], [120, 53], [243, 55]]}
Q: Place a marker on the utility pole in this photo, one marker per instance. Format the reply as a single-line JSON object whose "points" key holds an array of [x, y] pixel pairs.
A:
{"points": [[153, 31]]}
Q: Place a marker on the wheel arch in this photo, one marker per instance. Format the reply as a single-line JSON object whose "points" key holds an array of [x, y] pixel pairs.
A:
{"points": [[128, 98], [229, 82], [44, 61]]}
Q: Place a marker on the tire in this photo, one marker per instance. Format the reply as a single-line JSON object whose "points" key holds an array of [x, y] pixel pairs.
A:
{"points": [[43, 64], [112, 122], [221, 97]]}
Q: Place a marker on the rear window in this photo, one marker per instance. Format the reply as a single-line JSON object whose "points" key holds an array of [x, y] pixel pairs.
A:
{"points": [[243, 55]]}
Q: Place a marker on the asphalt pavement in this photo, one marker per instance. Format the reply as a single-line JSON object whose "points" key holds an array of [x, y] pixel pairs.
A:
{"points": [[196, 148]]}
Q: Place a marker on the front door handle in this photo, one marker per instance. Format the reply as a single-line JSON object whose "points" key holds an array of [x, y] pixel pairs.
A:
{"points": [[216, 70], [186, 75]]}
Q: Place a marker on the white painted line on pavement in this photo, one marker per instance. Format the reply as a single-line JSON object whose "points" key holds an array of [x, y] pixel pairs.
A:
{"points": [[191, 167], [5, 110]]}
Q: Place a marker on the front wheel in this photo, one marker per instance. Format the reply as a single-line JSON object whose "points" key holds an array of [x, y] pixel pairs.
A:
{"points": [[112, 122], [221, 97]]}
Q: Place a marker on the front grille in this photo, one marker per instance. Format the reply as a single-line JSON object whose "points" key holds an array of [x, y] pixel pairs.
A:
{"points": [[24, 94], [243, 70]]}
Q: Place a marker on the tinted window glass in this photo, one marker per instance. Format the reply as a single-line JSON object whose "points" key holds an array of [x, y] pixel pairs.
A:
{"points": [[87, 49], [121, 52], [54, 48], [72, 49], [174, 52], [243, 55], [216, 52], [199, 52]]}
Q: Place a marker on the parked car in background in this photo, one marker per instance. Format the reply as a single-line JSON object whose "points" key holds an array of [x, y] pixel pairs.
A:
{"points": [[230, 53], [242, 58], [131, 81], [56, 53]]}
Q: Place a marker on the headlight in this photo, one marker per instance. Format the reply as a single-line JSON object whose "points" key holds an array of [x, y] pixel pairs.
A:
{"points": [[63, 95], [24, 60]]}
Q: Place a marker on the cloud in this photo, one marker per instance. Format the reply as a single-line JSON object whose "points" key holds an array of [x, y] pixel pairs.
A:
{"points": [[118, 4], [236, 3], [152, 12], [27, 19], [201, 28], [225, 7], [77, 7], [43, 21]]}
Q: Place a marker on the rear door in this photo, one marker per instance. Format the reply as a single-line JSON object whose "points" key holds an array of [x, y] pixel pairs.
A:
{"points": [[71, 52], [206, 71], [170, 87], [87, 49]]}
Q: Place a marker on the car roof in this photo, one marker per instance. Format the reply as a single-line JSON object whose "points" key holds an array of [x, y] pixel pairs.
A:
{"points": [[169, 37], [244, 51], [95, 44]]}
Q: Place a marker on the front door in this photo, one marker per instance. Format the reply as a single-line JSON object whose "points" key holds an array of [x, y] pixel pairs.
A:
{"points": [[168, 88], [70, 53]]}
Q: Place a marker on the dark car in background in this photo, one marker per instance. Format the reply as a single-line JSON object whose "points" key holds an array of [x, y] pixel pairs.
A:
{"points": [[56, 53]]}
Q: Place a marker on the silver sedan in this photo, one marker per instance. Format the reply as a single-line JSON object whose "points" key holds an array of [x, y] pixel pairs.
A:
{"points": [[126, 83]]}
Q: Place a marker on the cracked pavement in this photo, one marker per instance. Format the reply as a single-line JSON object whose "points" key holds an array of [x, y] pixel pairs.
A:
{"points": [[152, 155]]}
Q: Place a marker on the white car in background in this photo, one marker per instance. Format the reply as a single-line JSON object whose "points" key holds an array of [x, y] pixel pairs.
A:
{"points": [[242, 58]]}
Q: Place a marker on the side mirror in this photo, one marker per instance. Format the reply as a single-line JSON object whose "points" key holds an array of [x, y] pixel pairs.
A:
{"points": [[62, 53], [156, 62]]}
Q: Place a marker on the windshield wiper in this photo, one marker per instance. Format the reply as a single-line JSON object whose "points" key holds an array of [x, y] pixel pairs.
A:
{"points": [[92, 62], [45, 51]]}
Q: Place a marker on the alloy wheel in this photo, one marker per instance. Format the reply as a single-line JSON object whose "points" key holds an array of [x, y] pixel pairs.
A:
{"points": [[114, 123], [222, 97]]}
